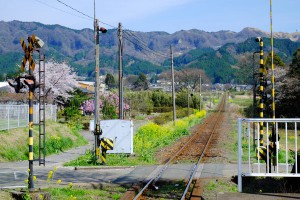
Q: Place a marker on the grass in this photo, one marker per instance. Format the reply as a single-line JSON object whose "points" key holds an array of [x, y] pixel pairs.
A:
{"points": [[59, 137], [70, 193], [112, 160], [5, 195], [214, 186]]}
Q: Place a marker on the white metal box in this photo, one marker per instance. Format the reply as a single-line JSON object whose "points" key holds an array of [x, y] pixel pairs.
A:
{"points": [[120, 131]]}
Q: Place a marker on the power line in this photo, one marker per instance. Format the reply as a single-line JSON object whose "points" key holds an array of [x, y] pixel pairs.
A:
{"points": [[125, 37], [75, 9], [85, 14], [48, 5], [142, 45], [127, 33]]}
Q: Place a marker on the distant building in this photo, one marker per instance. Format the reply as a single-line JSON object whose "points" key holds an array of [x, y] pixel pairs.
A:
{"points": [[163, 85], [4, 86], [89, 86]]}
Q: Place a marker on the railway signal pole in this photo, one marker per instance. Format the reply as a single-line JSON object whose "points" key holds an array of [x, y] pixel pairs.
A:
{"points": [[34, 43]]}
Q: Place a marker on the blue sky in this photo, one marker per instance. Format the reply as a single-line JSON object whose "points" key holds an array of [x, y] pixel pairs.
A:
{"points": [[160, 15]]}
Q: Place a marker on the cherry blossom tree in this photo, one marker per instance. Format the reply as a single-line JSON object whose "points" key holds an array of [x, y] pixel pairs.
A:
{"points": [[60, 80], [106, 99]]}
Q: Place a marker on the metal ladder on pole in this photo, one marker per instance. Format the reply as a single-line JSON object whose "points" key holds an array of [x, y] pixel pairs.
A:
{"points": [[42, 131]]}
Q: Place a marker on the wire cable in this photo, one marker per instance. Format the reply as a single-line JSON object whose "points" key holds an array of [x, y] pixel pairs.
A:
{"points": [[48, 5], [141, 44], [75, 9]]}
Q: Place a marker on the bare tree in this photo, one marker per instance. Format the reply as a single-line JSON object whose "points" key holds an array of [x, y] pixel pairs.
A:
{"points": [[190, 78]]}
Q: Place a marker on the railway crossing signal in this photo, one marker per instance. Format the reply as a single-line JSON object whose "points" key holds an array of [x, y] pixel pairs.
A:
{"points": [[34, 43], [28, 50]]}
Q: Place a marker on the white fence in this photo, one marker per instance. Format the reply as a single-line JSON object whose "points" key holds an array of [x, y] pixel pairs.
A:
{"points": [[278, 154], [14, 116]]}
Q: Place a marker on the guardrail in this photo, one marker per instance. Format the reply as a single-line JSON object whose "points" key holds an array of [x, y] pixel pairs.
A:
{"points": [[277, 157]]}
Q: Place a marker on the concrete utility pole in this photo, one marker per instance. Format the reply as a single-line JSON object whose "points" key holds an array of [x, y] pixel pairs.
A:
{"points": [[173, 85], [188, 93], [96, 101], [200, 92], [121, 112]]}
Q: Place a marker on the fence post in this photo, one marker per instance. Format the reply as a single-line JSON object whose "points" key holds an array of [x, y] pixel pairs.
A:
{"points": [[239, 155], [18, 116], [7, 118]]}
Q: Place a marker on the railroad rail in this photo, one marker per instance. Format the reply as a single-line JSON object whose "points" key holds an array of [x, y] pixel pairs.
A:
{"points": [[194, 149]]}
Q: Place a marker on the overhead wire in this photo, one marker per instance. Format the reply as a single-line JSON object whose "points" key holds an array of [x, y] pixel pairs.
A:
{"points": [[129, 35], [50, 6], [142, 44], [75, 9]]}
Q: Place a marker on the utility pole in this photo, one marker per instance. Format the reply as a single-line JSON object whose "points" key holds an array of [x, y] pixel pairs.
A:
{"points": [[96, 101], [173, 85], [200, 92], [188, 93], [120, 72]]}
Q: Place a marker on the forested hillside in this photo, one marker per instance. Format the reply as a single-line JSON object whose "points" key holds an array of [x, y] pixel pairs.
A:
{"points": [[214, 52]]}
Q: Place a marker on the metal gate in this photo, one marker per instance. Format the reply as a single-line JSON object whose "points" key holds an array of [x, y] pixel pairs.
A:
{"points": [[277, 157]]}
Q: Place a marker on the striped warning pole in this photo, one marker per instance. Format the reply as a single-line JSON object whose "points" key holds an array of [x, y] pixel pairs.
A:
{"points": [[106, 144], [274, 139], [31, 90], [272, 61], [261, 91]]}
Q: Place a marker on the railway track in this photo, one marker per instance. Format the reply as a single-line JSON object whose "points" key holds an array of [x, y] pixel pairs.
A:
{"points": [[192, 150]]}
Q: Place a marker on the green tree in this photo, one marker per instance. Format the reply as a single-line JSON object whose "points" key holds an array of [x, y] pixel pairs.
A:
{"points": [[72, 106], [109, 111], [141, 83], [247, 64], [288, 93], [110, 81], [295, 65], [154, 79], [276, 60]]}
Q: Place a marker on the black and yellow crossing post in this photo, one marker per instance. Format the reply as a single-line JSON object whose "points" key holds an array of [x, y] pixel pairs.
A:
{"points": [[30, 82], [261, 89], [274, 137], [34, 43], [261, 150], [106, 144]]}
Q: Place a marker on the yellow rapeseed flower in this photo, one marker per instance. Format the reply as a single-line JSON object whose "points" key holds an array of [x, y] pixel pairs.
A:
{"points": [[34, 178], [58, 182], [70, 184], [41, 196], [50, 174], [55, 168]]}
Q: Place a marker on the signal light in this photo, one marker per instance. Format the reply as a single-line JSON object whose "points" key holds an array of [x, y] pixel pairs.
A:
{"points": [[17, 84], [103, 30], [258, 39], [30, 82]]}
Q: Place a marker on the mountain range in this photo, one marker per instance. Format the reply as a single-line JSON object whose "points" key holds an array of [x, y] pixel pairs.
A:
{"points": [[142, 51]]}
